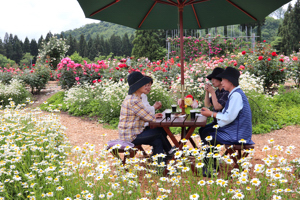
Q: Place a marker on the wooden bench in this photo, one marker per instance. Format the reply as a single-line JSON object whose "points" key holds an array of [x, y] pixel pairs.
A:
{"points": [[122, 146], [236, 148]]}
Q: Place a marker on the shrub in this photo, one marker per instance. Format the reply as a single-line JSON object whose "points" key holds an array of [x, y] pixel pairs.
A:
{"points": [[14, 91], [54, 50], [36, 78]]}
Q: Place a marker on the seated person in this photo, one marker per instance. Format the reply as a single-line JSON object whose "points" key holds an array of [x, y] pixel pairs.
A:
{"points": [[218, 98], [134, 114], [235, 119], [157, 105]]}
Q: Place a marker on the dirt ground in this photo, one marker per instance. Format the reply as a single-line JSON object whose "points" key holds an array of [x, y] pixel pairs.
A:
{"points": [[81, 130]]}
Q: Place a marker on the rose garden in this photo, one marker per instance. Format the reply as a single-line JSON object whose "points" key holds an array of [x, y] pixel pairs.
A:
{"points": [[38, 162]]}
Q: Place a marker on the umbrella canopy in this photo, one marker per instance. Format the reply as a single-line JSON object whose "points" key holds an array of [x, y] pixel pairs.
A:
{"points": [[185, 14], [163, 14]]}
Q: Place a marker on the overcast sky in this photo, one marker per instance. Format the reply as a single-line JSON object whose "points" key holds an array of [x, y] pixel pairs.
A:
{"points": [[33, 18]]}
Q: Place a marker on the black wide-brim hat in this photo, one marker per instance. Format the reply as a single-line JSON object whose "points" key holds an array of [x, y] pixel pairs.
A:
{"points": [[136, 80], [215, 73], [231, 74]]}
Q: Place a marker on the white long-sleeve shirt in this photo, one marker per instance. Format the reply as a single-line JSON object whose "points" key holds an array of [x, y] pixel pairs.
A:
{"points": [[236, 104], [147, 105]]}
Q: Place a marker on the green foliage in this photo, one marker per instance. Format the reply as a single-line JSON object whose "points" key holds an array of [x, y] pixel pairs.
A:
{"points": [[272, 113], [270, 28], [265, 62], [146, 44], [102, 28], [36, 78], [55, 50], [56, 101], [13, 91], [289, 30], [26, 60], [5, 62]]}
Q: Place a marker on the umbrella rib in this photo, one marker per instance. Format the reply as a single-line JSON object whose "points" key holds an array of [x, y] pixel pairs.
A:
{"points": [[194, 2], [241, 9], [172, 3], [196, 16], [147, 14], [108, 5]]}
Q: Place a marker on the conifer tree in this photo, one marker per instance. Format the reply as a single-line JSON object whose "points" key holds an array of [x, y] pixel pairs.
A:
{"points": [[73, 45], [2, 49], [116, 44], [126, 46], [146, 44], [26, 45], [34, 50], [82, 46]]}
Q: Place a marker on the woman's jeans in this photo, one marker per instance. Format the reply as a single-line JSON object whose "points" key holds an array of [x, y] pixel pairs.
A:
{"points": [[156, 137]]}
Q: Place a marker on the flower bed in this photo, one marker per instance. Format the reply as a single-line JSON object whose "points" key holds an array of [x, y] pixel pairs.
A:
{"points": [[39, 164]]}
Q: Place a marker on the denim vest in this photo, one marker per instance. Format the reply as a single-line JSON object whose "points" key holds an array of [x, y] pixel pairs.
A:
{"points": [[240, 128]]}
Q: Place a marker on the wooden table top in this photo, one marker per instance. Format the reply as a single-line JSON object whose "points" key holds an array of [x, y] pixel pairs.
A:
{"points": [[176, 121]]}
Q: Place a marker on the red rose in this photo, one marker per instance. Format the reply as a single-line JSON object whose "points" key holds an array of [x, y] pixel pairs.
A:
{"points": [[94, 81], [99, 80], [33, 65], [269, 59], [281, 60], [274, 54], [260, 57], [189, 96], [264, 41], [46, 61], [117, 68], [242, 67], [243, 52], [235, 64], [282, 70]]}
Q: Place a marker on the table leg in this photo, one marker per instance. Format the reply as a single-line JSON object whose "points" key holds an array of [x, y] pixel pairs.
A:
{"points": [[191, 139], [188, 135], [171, 136]]}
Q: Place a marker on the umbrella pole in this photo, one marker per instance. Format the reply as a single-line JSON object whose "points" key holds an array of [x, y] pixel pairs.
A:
{"points": [[180, 9]]}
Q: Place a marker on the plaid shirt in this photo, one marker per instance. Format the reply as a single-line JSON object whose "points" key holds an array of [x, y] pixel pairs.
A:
{"points": [[133, 115]]}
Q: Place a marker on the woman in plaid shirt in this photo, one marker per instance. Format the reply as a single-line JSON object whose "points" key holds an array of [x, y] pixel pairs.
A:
{"points": [[134, 114]]}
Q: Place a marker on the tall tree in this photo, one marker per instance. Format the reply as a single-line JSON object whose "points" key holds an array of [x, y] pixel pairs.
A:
{"points": [[34, 50], [92, 52], [8, 40], [41, 39], [26, 45], [225, 31], [116, 44], [48, 36], [82, 46], [146, 44], [279, 13], [2, 48], [288, 31], [73, 45], [17, 48], [126, 46]]}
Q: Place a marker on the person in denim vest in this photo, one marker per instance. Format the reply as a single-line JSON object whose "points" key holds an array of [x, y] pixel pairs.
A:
{"points": [[235, 120]]}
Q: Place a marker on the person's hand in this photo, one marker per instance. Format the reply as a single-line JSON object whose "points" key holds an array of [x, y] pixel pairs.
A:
{"points": [[157, 105], [158, 115], [209, 88], [205, 112]]}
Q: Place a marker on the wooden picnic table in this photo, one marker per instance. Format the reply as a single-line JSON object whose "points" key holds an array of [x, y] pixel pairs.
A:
{"points": [[187, 125]]}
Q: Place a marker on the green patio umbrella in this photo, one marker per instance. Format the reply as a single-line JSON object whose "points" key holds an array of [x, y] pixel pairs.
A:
{"points": [[185, 14]]}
